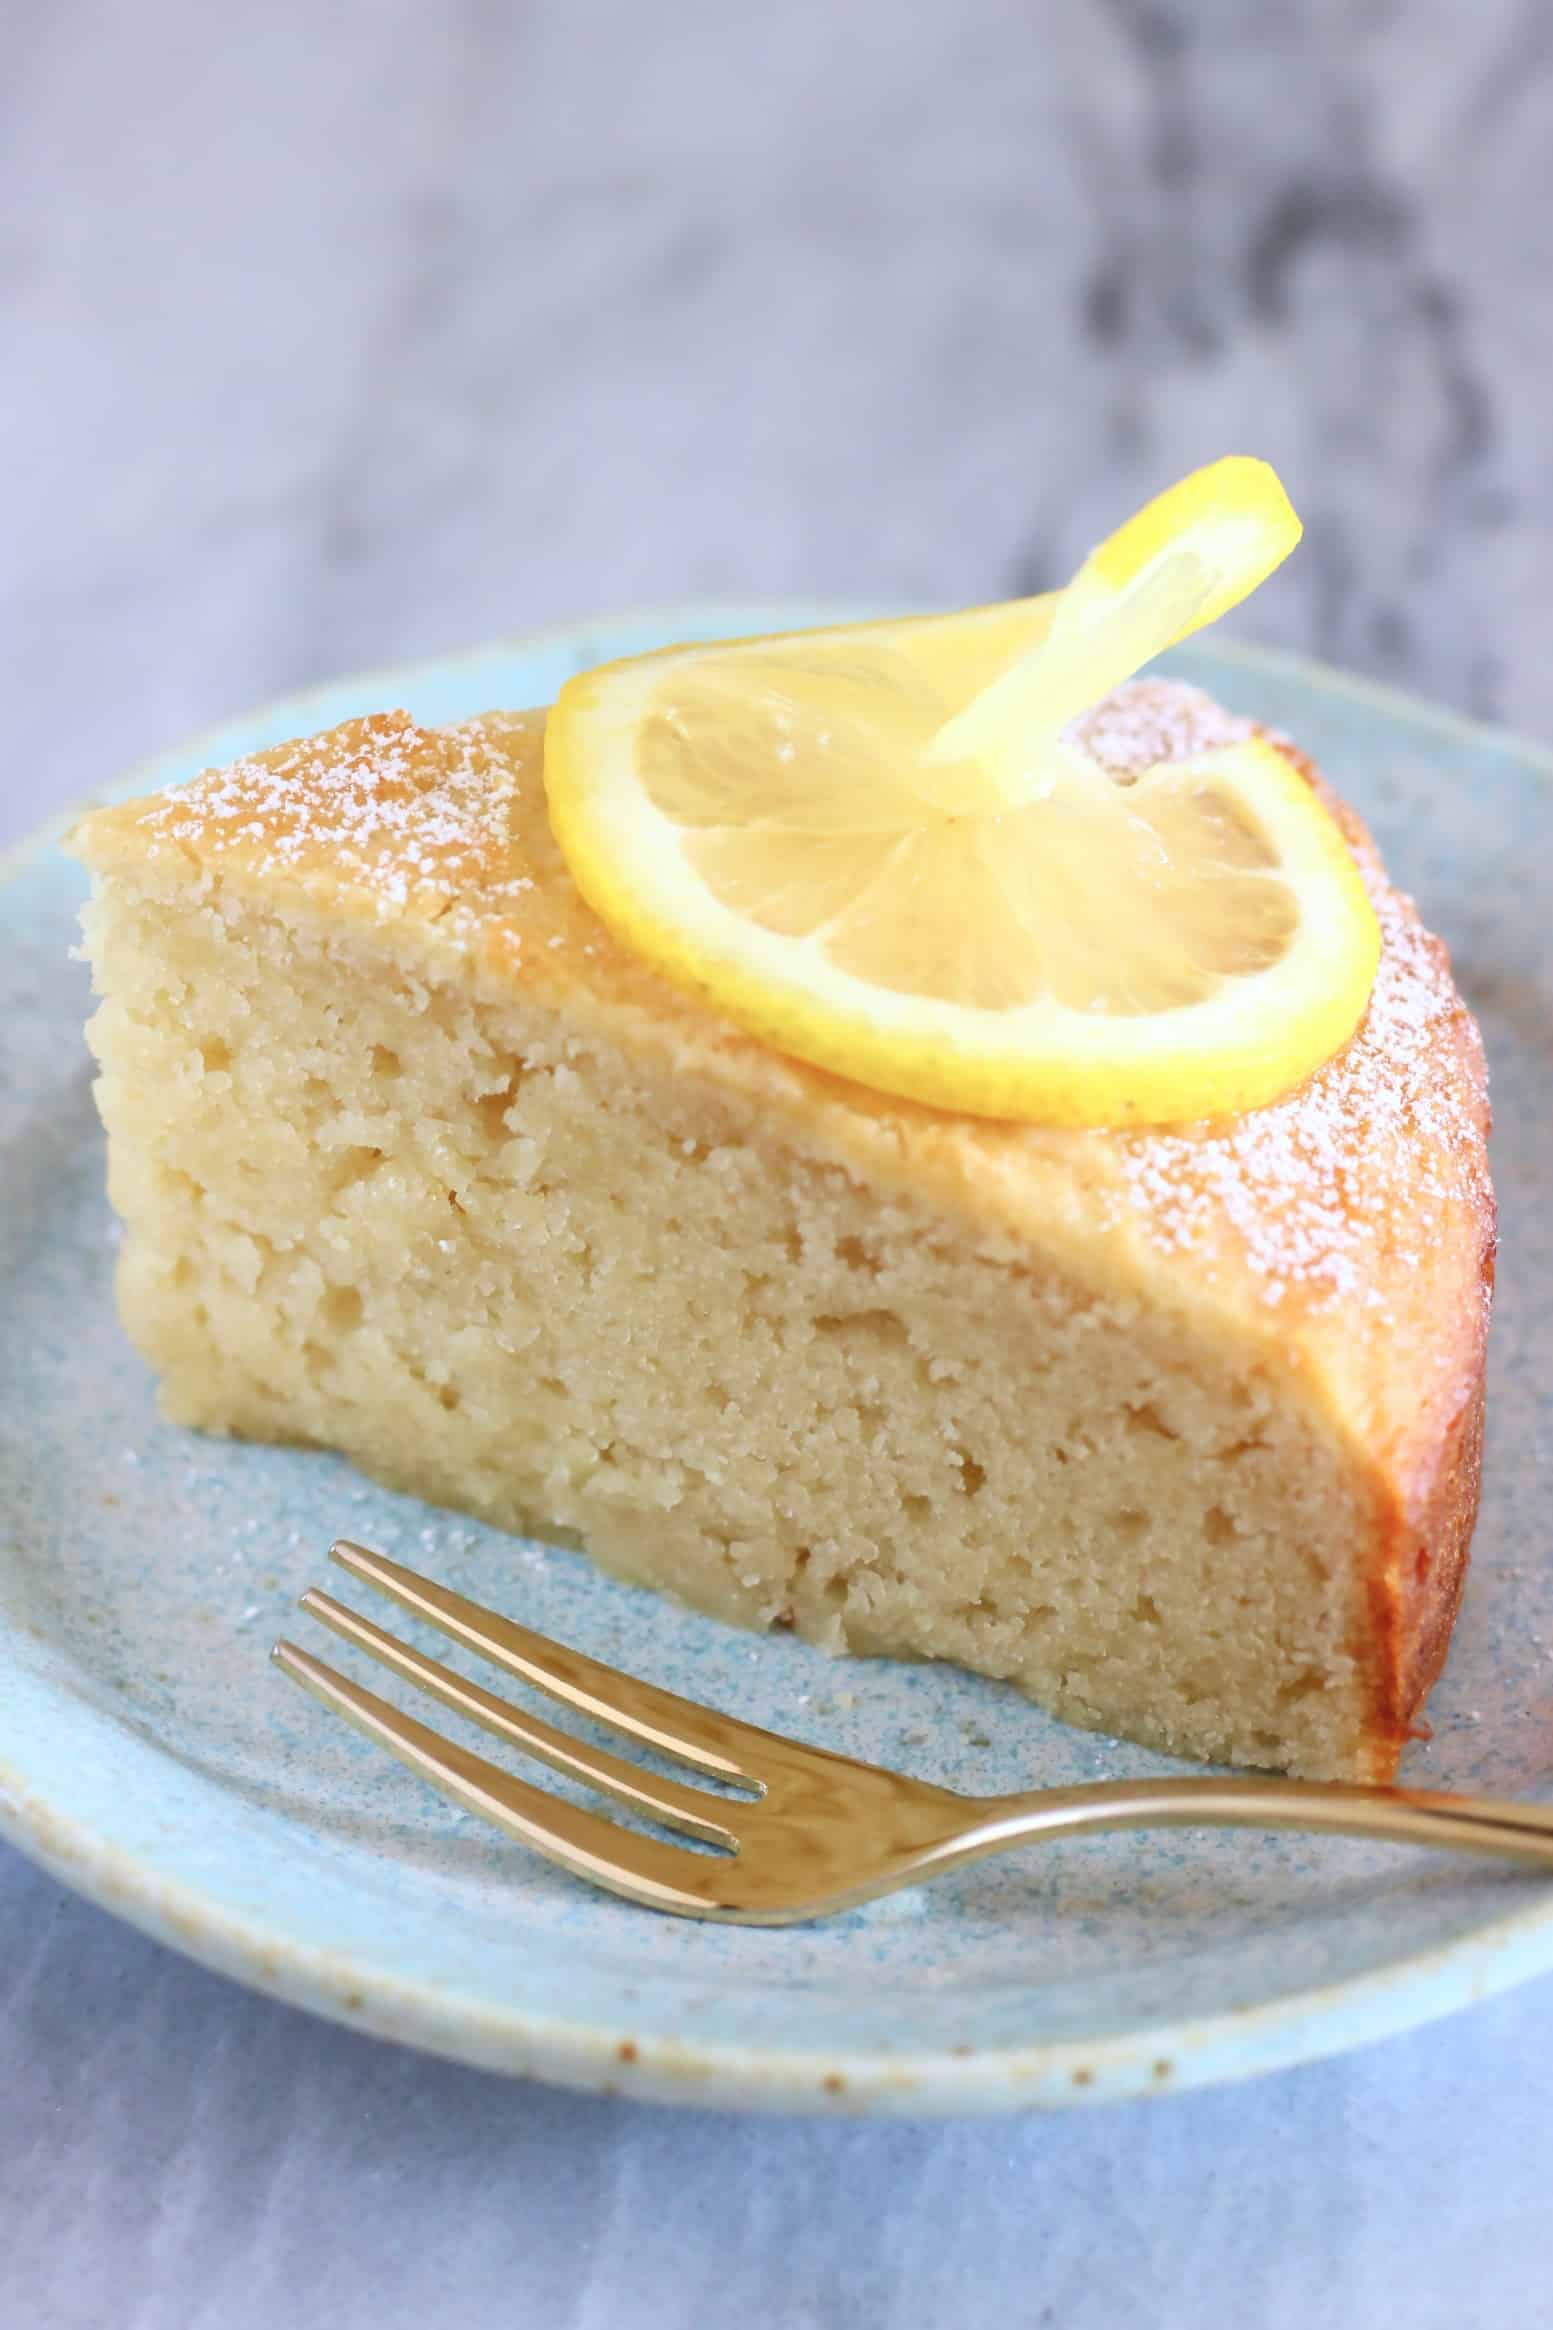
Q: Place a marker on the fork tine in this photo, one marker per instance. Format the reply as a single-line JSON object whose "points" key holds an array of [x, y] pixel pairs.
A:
{"points": [[643, 1869], [700, 1736], [667, 1800]]}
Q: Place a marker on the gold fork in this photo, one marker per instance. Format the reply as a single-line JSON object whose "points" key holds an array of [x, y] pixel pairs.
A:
{"points": [[808, 1831]]}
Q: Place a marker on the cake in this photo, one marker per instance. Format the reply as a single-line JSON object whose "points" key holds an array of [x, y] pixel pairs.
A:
{"points": [[1177, 1431]]}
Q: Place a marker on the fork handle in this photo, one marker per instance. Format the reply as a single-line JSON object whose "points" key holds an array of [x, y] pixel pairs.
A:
{"points": [[1404, 1816]]}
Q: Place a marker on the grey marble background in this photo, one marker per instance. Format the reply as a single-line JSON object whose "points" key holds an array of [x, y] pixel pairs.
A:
{"points": [[331, 334], [336, 333]]}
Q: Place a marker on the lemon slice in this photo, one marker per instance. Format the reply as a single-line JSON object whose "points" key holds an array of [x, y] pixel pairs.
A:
{"points": [[882, 849]]}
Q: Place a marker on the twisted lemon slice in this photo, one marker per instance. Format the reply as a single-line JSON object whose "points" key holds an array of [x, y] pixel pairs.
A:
{"points": [[882, 848]]}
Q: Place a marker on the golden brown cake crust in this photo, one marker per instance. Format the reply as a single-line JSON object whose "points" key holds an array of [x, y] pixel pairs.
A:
{"points": [[1347, 1230]]}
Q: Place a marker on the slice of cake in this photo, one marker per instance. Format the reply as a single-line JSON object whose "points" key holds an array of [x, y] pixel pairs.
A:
{"points": [[1177, 1431]]}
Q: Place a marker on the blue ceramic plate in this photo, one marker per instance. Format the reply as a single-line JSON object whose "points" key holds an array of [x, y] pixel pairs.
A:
{"points": [[150, 1756]]}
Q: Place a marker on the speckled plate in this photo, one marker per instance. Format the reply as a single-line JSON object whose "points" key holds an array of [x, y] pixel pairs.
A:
{"points": [[151, 1757]]}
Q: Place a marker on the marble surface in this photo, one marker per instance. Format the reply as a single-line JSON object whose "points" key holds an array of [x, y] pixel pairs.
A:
{"points": [[334, 336]]}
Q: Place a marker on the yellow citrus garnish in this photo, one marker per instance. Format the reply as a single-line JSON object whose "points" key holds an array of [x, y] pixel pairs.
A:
{"points": [[885, 850]]}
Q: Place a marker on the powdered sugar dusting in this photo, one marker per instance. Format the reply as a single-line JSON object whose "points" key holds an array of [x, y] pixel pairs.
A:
{"points": [[1148, 721], [414, 816], [1375, 1150]]}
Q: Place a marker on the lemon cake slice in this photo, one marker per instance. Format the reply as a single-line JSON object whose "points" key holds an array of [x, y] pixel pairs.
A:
{"points": [[1178, 1431]]}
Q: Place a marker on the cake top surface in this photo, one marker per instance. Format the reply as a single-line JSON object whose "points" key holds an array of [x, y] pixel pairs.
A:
{"points": [[1342, 1198]]}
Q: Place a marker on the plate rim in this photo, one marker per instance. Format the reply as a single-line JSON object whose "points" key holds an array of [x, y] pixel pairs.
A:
{"points": [[616, 2059], [1160, 2058]]}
